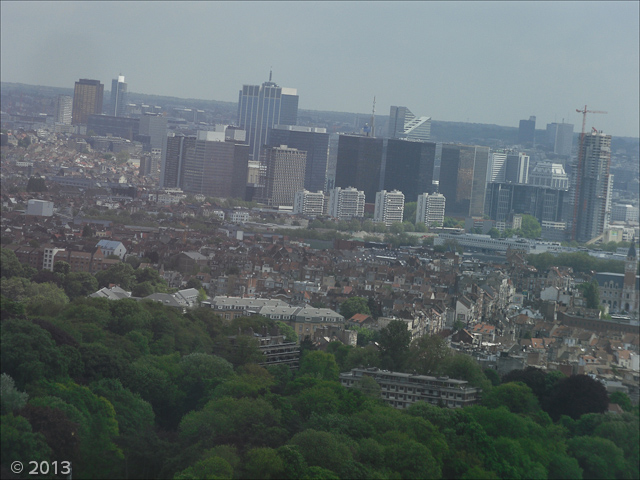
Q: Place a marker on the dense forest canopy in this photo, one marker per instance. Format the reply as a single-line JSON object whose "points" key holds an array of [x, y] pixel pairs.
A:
{"points": [[135, 389]]}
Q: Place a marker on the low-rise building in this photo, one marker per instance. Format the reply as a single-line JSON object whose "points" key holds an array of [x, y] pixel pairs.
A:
{"points": [[401, 390]]}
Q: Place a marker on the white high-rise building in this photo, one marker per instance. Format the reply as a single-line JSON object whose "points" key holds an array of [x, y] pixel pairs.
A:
{"points": [[430, 209], [346, 203], [389, 207], [308, 203], [404, 124], [64, 105], [497, 167]]}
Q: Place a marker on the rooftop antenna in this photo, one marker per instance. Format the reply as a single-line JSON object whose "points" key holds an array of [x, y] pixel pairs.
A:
{"points": [[373, 118], [270, 72]]}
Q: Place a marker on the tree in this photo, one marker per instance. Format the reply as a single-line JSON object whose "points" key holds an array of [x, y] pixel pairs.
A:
{"points": [[263, 463], [10, 266], [591, 292], [576, 395], [122, 157], [530, 227], [319, 364], [394, 343], [80, 284], [463, 367], [409, 214], [396, 228], [20, 443], [194, 283], [36, 184], [621, 399], [87, 231], [598, 457], [61, 267], [10, 397], [427, 355], [121, 274], [354, 305], [516, 396]]}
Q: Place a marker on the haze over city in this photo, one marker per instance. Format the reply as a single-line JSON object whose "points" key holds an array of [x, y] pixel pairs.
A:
{"points": [[480, 62]]}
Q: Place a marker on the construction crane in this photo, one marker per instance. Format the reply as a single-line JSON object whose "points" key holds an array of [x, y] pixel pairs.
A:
{"points": [[579, 169]]}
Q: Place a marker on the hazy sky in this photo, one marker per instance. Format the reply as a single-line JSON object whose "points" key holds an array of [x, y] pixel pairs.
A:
{"points": [[484, 62]]}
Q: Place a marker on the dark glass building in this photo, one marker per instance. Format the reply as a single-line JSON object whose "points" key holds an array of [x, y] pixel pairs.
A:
{"points": [[313, 141], [507, 199], [409, 167], [359, 164], [527, 131], [123, 127], [174, 155], [463, 179], [119, 99]]}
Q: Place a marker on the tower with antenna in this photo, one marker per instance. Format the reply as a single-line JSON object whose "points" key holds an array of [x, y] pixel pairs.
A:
{"points": [[373, 118]]}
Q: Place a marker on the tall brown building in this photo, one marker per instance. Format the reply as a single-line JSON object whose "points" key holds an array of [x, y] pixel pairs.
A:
{"points": [[87, 100]]}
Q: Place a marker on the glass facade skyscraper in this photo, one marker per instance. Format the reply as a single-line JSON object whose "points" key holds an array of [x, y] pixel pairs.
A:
{"points": [[463, 179], [260, 107], [87, 100]]}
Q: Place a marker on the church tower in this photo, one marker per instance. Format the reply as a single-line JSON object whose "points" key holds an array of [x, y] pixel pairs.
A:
{"points": [[630, 294]]}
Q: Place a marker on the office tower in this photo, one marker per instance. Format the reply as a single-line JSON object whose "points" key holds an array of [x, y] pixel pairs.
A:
{"points": [[284, 175], [154, 126], [560, 138], [119, 98], [430, 209], [309, 203], [503, 200], [87, 100], [260, 107], [408, 166], [64, 105], [516, 168], [463, 179], [624, 213], [214, 167], [497, 167], [527, 131], [359, 164], [314, 141], [108, 125], [389, 207], [346, 203], [593, 191], [173, 157], [404, 124]]}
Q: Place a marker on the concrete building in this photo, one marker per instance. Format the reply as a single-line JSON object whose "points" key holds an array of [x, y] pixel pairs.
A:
{"points": [[309, 203], [260, 107], [401, 390], [624, 213], [64, 107], [154, 126], [346, 203], [593, 188], [550, 175], [40, 208], [284, 175], [430, 209], [87, 100], [213, 166], [389, 207], [404, 124]]}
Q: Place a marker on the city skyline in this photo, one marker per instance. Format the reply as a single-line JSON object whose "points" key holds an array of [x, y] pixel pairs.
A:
{"points": [[561, 61]]}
